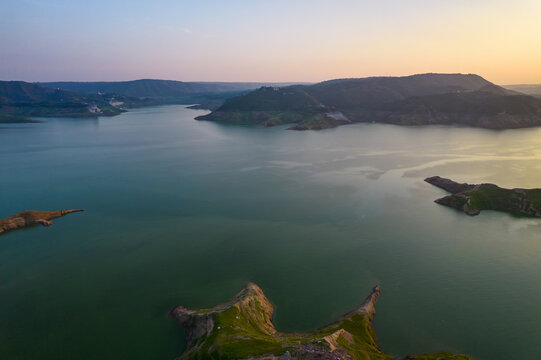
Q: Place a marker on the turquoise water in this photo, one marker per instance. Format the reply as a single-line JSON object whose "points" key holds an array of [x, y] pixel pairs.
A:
{"points": [[181, 212]]}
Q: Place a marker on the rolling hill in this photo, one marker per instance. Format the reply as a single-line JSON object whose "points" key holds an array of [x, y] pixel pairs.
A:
{"points": [[424, 99], [20, 100], [209, 94]]}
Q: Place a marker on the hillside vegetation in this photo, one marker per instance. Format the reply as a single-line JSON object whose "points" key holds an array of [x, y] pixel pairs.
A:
{"points": [[242, 328], [209, 95], [473, 198], [425, 99], [20, 100]]}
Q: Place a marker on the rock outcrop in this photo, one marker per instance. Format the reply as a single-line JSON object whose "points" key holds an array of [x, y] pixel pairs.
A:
{"points": [[473, 198], [242, 328], [32, 218]]}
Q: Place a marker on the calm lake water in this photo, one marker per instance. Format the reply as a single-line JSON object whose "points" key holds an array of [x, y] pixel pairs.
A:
{"points": [[181, 212]]}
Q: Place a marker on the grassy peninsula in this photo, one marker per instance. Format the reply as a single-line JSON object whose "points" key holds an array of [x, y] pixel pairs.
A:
{"points": [[242, 328], [472, 199]]}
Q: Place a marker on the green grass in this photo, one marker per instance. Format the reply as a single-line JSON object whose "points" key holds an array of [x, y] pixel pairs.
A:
{"points": [[242, 328], [495, 198]]}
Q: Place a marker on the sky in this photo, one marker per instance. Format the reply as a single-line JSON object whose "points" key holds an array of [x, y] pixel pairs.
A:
{"points": [[274, 40]]}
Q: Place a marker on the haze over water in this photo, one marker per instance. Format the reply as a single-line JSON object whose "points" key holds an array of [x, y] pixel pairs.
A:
{"points": [[181, 212]]}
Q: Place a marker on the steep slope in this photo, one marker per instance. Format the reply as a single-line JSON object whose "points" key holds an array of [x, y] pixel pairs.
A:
{"points": [[242, 328]]}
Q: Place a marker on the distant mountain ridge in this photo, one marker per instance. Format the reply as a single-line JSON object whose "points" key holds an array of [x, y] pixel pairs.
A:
{"points": [[528, 89], [19, 99], [155, 88], [207, 95], [422, 99]]}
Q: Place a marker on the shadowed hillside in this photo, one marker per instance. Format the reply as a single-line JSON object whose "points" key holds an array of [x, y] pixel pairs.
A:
{"points": [[424, 99], [375, 91], [209, 94], [412, 100], [19, 100]]}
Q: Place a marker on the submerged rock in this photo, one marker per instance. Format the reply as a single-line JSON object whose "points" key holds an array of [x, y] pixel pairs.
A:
{"points": [[472, 198], [32, 218], [242, 328]]}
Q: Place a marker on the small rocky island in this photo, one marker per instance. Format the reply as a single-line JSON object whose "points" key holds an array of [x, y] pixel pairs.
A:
{"points": [[242, 328], [32, 218], [473, 198]]}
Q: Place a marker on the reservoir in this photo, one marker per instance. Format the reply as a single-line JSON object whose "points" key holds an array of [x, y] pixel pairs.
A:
{"points": [[185, 212]]}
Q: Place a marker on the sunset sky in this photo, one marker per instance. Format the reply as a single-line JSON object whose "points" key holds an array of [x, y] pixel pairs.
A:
{"points": [[279, 40]]}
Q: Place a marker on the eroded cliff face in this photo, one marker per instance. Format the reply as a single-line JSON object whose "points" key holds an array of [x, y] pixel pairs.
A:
{"points": [[473, 198], [32, 218], [242, 328]]}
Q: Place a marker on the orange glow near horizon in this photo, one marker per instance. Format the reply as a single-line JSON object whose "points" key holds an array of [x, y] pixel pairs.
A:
{"points": [[271, 41]]}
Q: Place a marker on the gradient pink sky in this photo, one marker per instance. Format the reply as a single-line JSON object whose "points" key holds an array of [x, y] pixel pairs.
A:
{"points": [[300, 40]]}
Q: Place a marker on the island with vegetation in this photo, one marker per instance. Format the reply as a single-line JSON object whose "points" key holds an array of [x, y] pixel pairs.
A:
{"points": [[242, 328], [472, 199], [424, 99], [30, 218]]}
